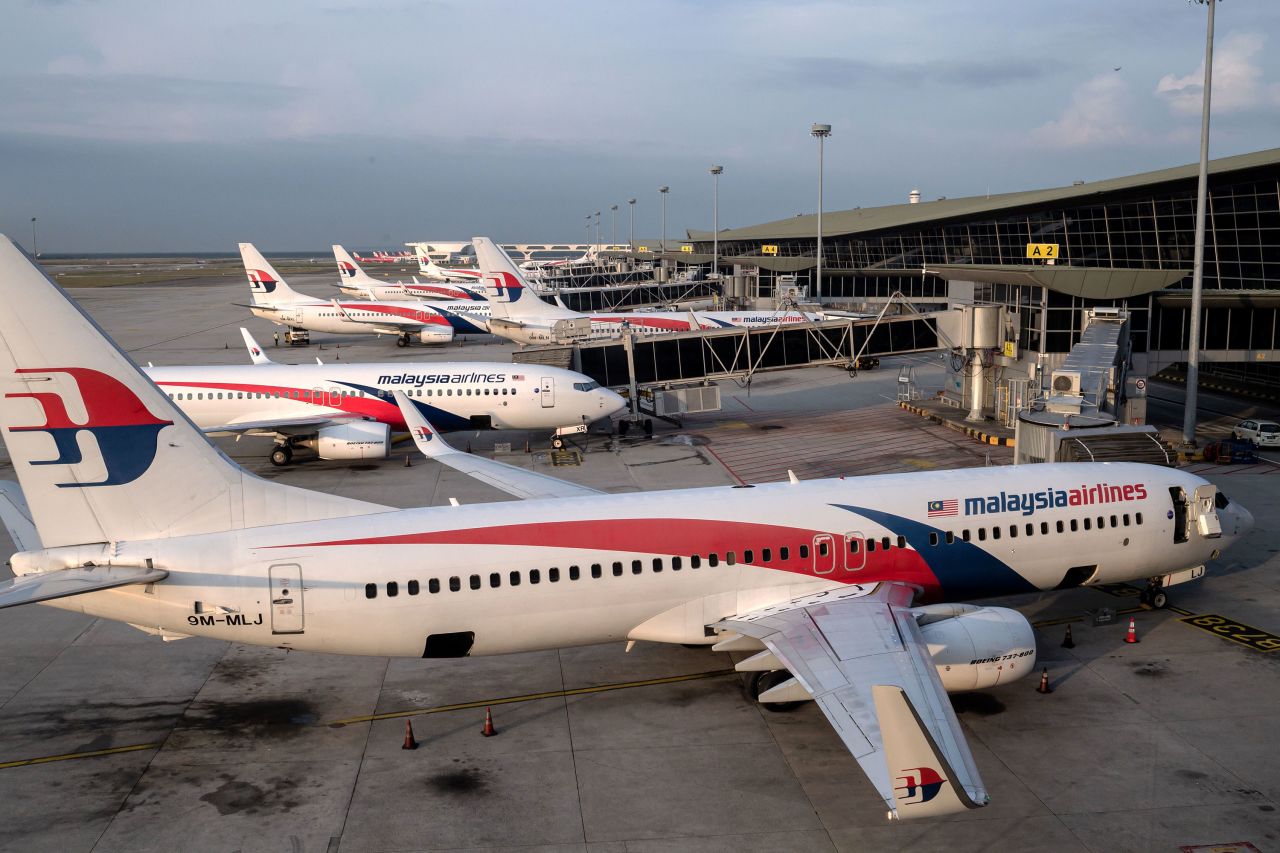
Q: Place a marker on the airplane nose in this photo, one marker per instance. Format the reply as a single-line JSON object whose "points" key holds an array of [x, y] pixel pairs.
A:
{"points": [[1244, 520], [611, 402]]}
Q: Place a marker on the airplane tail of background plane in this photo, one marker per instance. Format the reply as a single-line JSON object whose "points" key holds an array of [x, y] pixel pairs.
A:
{"points": [[101, 453], [265, 284], [348, 269], [509, 293], [425, 264]]}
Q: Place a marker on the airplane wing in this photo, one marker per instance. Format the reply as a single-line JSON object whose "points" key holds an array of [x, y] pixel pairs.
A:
{"points": [[520, 482], [16, 517], [46, 586], [860, 654], [275, 425]]}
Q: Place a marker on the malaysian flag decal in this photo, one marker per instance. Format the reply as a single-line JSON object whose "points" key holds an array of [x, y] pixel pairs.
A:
{"points": [[948, 507]]}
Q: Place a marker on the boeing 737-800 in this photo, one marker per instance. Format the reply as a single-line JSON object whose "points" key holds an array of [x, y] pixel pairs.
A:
{"points": [[430, 323], [346, 411], [854, 592], [356, 282]]}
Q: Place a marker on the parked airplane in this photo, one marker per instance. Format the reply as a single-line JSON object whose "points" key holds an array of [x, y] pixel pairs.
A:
{"points": [[345, 411], [432, 271], [356, 282], [386, 257], [519, 314], [434, 323], [852, 589]]}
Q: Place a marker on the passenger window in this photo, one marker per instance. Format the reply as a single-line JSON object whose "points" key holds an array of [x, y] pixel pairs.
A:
{"points": [[804, 552], [694, 561], [822, 549], [748, 556], [636, 567], [853, 546], [951, 537], [1044, 528], [495, 579], [886, 543], [1088, 525], [1013, 531], [964, 534], [414, 589], [871, 546], [433, 586], [535, 576], [902, 541], [573, 573], [1059, 525], [657, 564], [731, 559], [597, 570], [1102, 522], [1137, 517], [1126, 519], [713, 560], [784, 553], [982, 534], [553, 575], [933, 538], [455, 584], [371, 590], [393, 589], [1031, 529], [1075, 525], [617, 570], [995, 531], [514, 578], [676, 564], [475, 581]]}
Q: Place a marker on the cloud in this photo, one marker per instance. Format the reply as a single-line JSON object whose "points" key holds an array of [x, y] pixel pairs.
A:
{"points": [[1237, 80], [966, 73], [1099, 114]]}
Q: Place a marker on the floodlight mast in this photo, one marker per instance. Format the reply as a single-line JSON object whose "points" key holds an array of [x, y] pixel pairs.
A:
{"points": [[820, 132], [716, 172]]}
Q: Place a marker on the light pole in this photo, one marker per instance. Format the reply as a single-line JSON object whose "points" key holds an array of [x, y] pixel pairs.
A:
{"points": [[597, 258], [613, 209], [631, 203], [715, 171], [588, 235], [35, 247], [664, 191], [821, 131], [1197, 268]]}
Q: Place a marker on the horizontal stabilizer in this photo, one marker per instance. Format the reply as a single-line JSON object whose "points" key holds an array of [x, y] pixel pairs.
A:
{"points": [[46, 586], [519, 482], [16, 517]]}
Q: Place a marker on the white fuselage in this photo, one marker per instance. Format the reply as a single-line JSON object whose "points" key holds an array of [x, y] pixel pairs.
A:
{"points": [[452, 395], [361, 317], [658, 566]]}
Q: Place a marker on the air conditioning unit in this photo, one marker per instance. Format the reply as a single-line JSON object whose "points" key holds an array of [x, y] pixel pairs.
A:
{"points": [[1065, 383]]}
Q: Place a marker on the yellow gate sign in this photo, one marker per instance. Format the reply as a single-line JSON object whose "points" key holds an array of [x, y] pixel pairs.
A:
{"points": [[642, 248], [768, 249], [688, 250], [1042, 250]]}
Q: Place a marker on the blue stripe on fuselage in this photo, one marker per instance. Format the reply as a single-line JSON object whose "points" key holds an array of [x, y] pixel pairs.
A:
{"points": [[964, 570], [441, 419]]}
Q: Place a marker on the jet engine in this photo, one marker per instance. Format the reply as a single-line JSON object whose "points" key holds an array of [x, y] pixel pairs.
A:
{"points": [[353, 440], [977, 647], [436, 334]]}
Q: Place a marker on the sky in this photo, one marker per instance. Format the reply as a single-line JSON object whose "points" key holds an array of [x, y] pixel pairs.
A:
{"points": [[133, 126]]}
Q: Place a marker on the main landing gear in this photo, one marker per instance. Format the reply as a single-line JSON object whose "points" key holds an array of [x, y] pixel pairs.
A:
{"points": [[403, 340], [281, 455], [1154, 595], [759, 682]]}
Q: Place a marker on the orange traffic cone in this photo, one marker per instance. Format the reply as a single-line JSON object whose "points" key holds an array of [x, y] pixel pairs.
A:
{"points": [[1132, 636], [1044, 682], [488, 730], [1067, 642], [409, 742]]}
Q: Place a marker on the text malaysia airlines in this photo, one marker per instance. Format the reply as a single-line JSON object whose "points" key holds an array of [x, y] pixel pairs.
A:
{"points": [[419, 379], [1028, 502]]}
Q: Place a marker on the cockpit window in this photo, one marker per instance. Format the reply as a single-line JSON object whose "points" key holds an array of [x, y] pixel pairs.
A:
{"points": [[1221, 501], [585, 386]]}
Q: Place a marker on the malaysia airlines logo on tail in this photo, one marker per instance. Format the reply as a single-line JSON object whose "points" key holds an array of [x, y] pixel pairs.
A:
{"points": [[260, 282], [920, 785], [346, 268], [505, 285], [127, 433]]}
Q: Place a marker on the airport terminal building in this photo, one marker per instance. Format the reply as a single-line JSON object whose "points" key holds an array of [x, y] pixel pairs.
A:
{"points": [[1048, 255]]}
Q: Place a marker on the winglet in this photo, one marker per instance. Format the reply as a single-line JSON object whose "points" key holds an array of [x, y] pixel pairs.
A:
{"points": [[923, 781], [256, 355], [429, 442]]}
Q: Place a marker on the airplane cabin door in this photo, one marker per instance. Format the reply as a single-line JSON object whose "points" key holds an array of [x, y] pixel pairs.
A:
{"points": [[548, 392], [286, 598]]}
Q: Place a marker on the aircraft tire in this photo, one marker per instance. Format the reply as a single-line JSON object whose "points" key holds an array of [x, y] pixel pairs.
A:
{"points": [[557, 442], [281, 455], [762, 681]]}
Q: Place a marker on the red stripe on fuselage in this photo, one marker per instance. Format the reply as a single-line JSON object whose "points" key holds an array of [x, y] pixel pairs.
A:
{"points": [[682, 537], [421, 315], [377, 408]]}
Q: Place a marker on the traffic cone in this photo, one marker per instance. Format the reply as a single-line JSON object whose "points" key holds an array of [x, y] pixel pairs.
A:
{"points": [[409, 742], [406, 460], [526, 445], [1044, 682], [1067, 642], [488, 730], [468, 447], [1132, 636]]}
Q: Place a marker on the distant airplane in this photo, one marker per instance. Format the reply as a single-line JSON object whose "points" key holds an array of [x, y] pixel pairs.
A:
{"points": [[385, 258], [345, 411], [354, 281], [852, 592], [430, 323], [432, 271]]}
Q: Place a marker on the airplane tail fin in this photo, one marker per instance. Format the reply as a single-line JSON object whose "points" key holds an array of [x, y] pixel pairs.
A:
{"points": [[102, 454], [424, 260], [509, 293], [348, 269], [266, 285]]}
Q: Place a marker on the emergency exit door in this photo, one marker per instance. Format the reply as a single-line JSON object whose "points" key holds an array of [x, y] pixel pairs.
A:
{"points": [[286, 598], [548, 392]]}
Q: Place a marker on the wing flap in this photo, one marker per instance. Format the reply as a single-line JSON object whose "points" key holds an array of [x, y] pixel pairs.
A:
{"points": [[47, 586]]}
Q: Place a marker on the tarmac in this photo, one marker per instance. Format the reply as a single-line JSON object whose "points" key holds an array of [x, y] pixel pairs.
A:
{"points": [[112, 740]]}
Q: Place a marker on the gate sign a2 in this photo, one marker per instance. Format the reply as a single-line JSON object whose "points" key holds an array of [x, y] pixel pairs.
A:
{"points": [[1042, 251]]}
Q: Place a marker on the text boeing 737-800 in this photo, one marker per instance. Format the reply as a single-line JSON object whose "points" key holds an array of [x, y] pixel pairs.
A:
{"points": [[854, 591]]}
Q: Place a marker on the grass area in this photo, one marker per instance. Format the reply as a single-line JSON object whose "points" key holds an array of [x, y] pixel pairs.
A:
{"points": [[117, 272]]}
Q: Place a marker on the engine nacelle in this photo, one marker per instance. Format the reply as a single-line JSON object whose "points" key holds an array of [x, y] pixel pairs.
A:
{"points": [[977, 647], [436, 334], [353, 440]]}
